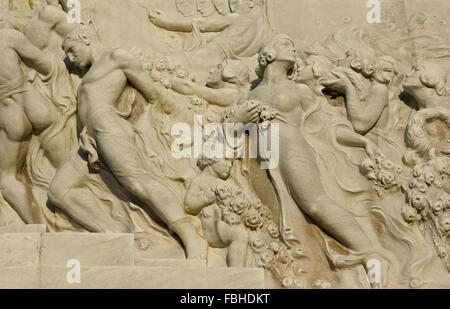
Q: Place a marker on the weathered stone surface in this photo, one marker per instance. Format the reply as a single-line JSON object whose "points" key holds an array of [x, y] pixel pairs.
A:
{"points": [[29, 228], [155, 278], [171, 263], [89, 249], [19, 277], [20, 250]]}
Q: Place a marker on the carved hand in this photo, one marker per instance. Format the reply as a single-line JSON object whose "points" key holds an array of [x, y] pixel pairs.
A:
{"points": [[340, 83], [157, 18], [182, 86], [373, 151], [247, 112]]}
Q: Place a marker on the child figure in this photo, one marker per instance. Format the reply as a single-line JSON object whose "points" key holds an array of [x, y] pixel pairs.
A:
{"points": [[220, 206]]}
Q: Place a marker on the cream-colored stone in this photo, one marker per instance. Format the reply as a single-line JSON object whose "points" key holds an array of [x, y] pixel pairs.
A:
{"points": [[352, 96], [29, 228], [19, 277], [155, 278], [89, 249], [170, 263], [20, 249]]}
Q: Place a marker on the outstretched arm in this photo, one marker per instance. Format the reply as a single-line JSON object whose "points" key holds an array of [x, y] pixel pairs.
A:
{"points": [[30, 54], [137, 76], [224, 97], [206, 24], [347, 137]]}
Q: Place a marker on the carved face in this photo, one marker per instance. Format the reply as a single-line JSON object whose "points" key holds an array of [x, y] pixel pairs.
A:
{"points": [[305, 71], [79, 53], [185, 7], [205, 7], [222, 167], [241, 6], [413, 78], [386, 72], [215, 75], [285, 49]]}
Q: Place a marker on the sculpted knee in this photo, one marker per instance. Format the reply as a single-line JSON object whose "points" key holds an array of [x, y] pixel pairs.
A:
{"points": [[56, 194]]}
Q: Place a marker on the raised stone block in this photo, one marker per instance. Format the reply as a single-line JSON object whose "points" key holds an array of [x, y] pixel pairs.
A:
{"points": [[89, 249], [19, 249], [154, 278], [19, 277]]}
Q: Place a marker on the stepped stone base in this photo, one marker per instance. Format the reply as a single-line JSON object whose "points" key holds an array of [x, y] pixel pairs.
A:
{"points": [[39, 260]]}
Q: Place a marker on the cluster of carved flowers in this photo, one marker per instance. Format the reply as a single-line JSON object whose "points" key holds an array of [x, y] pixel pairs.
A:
{"points": [[385, 175], [239, 208], [428, 199]]}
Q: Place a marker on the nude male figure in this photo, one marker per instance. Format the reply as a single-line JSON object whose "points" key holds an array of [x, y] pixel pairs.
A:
{"points": [[114, 141], [23, 112]]}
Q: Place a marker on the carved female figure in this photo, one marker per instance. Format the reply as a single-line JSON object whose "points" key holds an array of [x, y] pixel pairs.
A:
{"points": [[298, 167]]}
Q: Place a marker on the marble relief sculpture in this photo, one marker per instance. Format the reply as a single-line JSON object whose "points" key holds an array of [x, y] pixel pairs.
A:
{"points": [[355, 192]]}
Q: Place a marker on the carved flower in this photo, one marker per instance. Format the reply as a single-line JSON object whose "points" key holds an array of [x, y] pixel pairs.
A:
{"points": [[253, 219], [285, 257], [386, 178], [437, 207], [387, 165], [446, 200], [231, 218], [367, 166], [258, 243], [421, 187], [398, 169], [418, 201], [273, 231], [440, 165], [256, 203], [160, 65], [238, 205], [223, 192], [442, 251], [409, 214], [268, 258], [298, 252], [274, 246], [429, 177], [444, 223], [287, 282], [322, 284]]}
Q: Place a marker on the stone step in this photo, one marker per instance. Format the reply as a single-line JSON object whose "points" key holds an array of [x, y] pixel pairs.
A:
{"points": [[89, 249], [56, 249], [136, 277], [30, 228], [183, 263], [20, 249]]}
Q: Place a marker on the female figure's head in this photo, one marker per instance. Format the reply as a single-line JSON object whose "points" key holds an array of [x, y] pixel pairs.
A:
{"points": [[386, 70], [429, 75], [360, 61], [278, 48]]}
